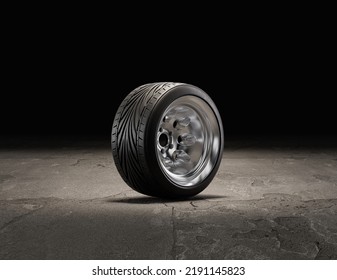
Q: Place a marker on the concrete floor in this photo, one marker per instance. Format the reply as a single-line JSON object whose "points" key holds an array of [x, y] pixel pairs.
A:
{"points": [[67, 201]]}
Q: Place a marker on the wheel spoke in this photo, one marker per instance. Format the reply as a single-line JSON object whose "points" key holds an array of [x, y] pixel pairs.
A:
{"points": [[181, 123], [181, 155], [186, 139]]}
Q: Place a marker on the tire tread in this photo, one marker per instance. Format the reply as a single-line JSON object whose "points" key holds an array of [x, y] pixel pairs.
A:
{"points": [[127, 137]]}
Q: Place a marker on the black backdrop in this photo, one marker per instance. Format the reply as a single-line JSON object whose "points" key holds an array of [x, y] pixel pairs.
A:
{"points": [[61, 80]]}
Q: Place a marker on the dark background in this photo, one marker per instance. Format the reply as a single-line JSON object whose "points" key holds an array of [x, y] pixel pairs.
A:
{"points": [[267, 76]]}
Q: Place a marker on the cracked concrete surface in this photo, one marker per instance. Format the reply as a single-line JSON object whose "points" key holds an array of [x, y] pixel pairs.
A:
{"points": [[67, 201]]}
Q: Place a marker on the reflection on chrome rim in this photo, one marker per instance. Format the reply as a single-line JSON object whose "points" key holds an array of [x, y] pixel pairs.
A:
{"points": [[188, 141]]}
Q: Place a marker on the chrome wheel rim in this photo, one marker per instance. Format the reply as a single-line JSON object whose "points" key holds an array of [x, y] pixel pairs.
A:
{"points": [[188, 141]]}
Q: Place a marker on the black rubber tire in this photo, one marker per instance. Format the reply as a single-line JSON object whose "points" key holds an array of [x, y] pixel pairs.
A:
{"points": [[133, 139]]}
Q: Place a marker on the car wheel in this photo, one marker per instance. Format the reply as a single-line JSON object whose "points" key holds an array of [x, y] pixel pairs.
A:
{"points": [[167, 140]]}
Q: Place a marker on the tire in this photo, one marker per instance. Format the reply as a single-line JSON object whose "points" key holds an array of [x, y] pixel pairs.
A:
{"points": [[167, 140]]}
